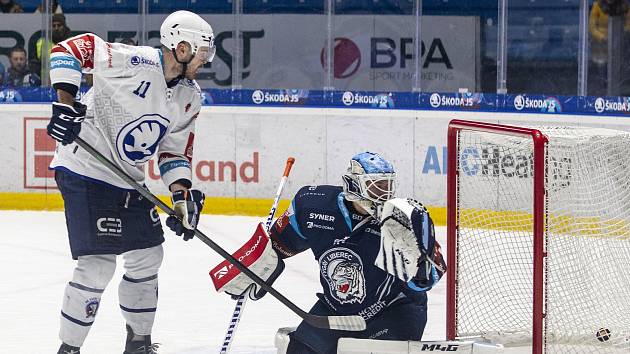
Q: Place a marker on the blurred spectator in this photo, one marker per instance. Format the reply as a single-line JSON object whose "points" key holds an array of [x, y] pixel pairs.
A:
{"points": [[128, 41], [10, 6], [18, 74], [1, 74], [598, 26], [56, 8], [60, 31]]}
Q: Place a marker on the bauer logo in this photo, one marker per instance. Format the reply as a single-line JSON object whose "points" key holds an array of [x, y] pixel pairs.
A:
{"points": [[547, 104], [259, 97], [604, 105], [137, 141]]}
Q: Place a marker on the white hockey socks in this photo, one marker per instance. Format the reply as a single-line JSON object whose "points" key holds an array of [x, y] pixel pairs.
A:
{"points": [[82, 297], [138, 289]]}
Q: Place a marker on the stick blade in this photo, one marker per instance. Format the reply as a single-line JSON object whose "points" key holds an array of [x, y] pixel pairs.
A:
{"points": [[339, 323], [347, 323]]}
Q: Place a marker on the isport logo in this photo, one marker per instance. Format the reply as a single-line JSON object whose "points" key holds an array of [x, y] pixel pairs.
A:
{"points": [[545, 104], [382, 100], [285, 96], [619, 105]]}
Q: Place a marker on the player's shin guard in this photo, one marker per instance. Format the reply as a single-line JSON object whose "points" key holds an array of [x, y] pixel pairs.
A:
{"points": [[83, 295], [138, 290]]}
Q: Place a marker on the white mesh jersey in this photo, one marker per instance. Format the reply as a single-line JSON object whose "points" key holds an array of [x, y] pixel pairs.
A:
{"points": [[132, 113]]}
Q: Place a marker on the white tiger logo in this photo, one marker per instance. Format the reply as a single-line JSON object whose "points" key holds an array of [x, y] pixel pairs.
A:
{"points": [[349, 282], [343, 271]]}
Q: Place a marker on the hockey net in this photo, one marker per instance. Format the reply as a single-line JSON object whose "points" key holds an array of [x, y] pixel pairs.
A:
{"points": [[539, 237]]}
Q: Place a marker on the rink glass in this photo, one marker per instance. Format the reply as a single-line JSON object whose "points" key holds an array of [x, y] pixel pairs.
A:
{"points": [[555, 47]]}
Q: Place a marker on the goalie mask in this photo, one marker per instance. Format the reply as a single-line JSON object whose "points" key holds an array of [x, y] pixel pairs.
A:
{"points": [[369, 181]]}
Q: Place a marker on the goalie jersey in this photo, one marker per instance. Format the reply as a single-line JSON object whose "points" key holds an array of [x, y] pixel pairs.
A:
{"points": [[133, 114], [345, 244]]}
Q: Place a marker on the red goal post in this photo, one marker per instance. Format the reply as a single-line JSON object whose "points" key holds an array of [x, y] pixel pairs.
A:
{"points": [[539, 141]]}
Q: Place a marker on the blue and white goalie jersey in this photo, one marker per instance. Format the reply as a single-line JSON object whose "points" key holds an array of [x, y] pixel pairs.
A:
{"points": [[132, 113], [345, 244]]}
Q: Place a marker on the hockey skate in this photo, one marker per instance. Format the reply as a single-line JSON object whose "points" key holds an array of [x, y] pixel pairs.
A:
{"points": [[68, 349], [139, 344]]}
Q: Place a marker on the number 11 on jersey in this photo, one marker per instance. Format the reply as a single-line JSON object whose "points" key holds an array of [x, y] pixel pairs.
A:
{"points": [[142, 89]]}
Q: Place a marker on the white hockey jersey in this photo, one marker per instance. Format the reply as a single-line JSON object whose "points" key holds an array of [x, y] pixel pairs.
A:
{"points": [[132, 114]]}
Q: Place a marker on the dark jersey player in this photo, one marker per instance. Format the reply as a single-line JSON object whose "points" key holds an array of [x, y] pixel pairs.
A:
{"points": [[377, 255]]}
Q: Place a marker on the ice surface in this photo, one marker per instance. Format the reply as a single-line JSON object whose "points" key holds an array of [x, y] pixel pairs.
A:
{"points": [[35, 265]]}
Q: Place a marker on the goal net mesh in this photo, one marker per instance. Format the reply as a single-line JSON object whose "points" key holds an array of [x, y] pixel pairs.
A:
{"points": [[587, 238]]}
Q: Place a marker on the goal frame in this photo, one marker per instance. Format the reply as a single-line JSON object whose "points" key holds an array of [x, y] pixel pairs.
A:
{"points": [[539, 205]]}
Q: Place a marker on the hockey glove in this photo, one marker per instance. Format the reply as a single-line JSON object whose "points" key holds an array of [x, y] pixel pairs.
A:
{"points": [[65, 123], [408, 247], [258, 255], [187, 205]]}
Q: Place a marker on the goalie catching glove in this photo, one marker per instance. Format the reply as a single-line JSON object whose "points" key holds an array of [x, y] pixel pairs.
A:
{"points": [[257, 255], [408, 249]]}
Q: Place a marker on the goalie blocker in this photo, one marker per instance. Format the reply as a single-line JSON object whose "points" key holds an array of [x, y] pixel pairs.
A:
{"points": [[256, 254]]}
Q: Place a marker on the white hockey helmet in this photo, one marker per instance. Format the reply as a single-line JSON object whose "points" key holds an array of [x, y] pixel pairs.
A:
{"points": [[369, 181], [185, 26]]}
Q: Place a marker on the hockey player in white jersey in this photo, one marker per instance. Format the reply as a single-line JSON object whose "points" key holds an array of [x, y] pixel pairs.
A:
{"points": [[143, 103]]}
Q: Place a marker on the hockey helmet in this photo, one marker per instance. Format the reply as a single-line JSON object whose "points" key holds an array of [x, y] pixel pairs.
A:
{"points": [[185, 26]]}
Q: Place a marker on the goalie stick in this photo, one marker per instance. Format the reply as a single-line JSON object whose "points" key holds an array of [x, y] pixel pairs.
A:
{"points": [[344, 323], [242, 300]]}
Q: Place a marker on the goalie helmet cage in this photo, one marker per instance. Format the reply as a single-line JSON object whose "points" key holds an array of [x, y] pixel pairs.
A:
{"points": [[539, 237]]}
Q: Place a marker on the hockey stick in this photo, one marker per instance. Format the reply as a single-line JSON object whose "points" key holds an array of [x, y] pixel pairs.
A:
{"points": [[344, 323], [241, 300]]}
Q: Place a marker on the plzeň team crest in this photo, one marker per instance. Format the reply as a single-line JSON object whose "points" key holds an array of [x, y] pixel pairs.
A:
{"points": [[138, 140], [343, 271]]}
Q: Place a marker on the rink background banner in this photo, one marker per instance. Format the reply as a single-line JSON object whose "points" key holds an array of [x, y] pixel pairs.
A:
{"points": [[240, 152], [371, 52]]}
